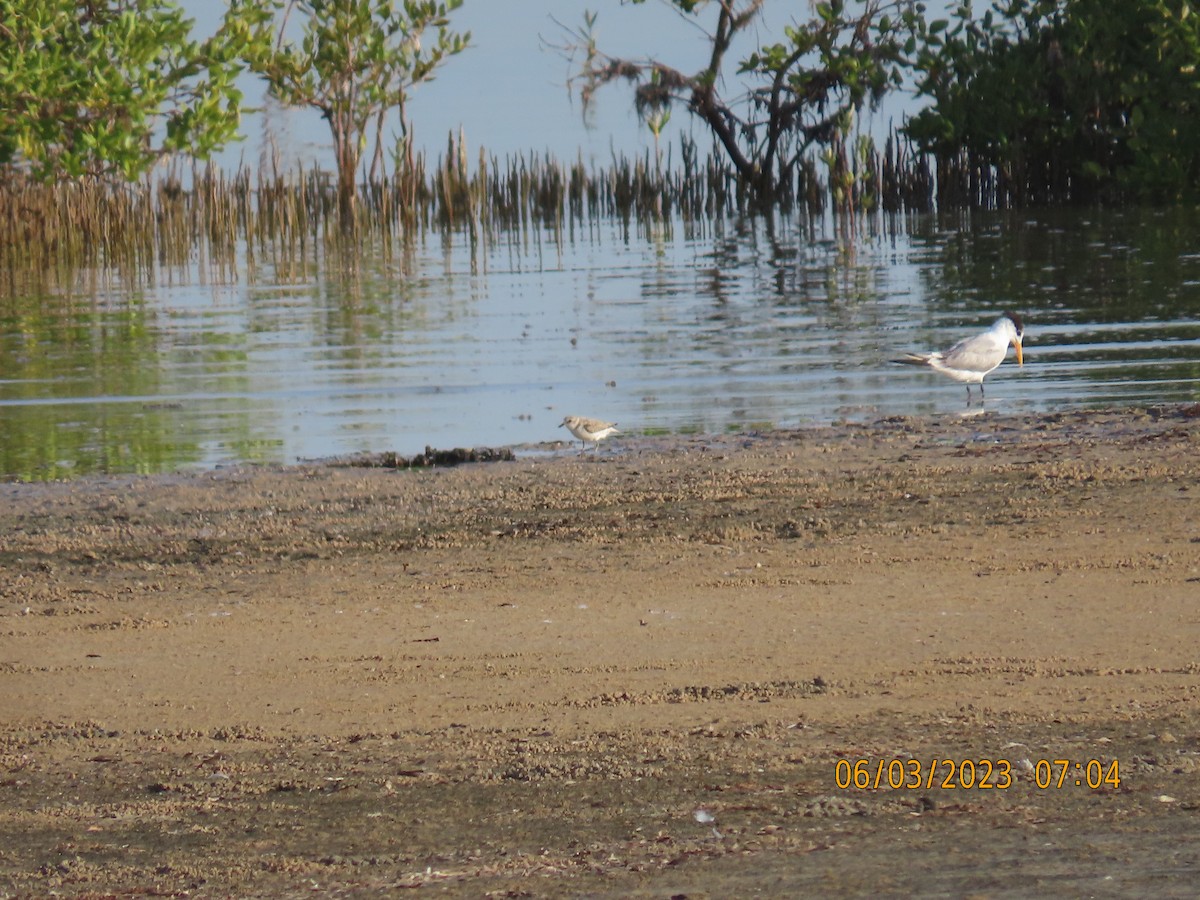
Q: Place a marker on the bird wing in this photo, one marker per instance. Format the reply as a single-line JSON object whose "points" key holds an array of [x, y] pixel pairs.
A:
{"points": [[594, 425], [975, 354]]}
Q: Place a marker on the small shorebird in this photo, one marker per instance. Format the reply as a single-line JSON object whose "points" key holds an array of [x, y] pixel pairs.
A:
{"points": [[972, 358], [588, 429]]}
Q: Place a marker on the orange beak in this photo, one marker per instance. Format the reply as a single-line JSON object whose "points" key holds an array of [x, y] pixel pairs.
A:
{"points": [[1020, 360]]}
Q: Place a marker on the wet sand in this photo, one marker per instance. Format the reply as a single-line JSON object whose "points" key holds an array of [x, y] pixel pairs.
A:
{"points": [[644, 672]]}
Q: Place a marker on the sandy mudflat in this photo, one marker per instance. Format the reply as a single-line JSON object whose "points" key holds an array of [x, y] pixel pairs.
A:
{"points": [[631, 674]]}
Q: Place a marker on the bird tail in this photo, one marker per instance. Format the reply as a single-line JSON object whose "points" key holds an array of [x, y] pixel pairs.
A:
{"points": [[913, 359]]}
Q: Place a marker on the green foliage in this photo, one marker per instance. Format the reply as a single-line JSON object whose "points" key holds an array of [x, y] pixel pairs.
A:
{"points": [[108, 88], [355, 61], [804, 90], [1067, 99]]}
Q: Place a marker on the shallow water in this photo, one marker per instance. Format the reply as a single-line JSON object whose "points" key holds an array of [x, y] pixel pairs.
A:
{"points": [[674, 328]]}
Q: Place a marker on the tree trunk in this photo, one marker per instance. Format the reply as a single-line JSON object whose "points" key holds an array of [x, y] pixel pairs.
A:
{"points": [[345, 148]]}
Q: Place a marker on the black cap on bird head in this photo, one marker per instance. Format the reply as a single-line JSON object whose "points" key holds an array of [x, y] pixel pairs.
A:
{"points": [[1016, 320]]}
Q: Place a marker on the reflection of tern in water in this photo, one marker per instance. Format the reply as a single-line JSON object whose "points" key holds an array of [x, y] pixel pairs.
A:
{"points": [[972, 358], [586, 429]]}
